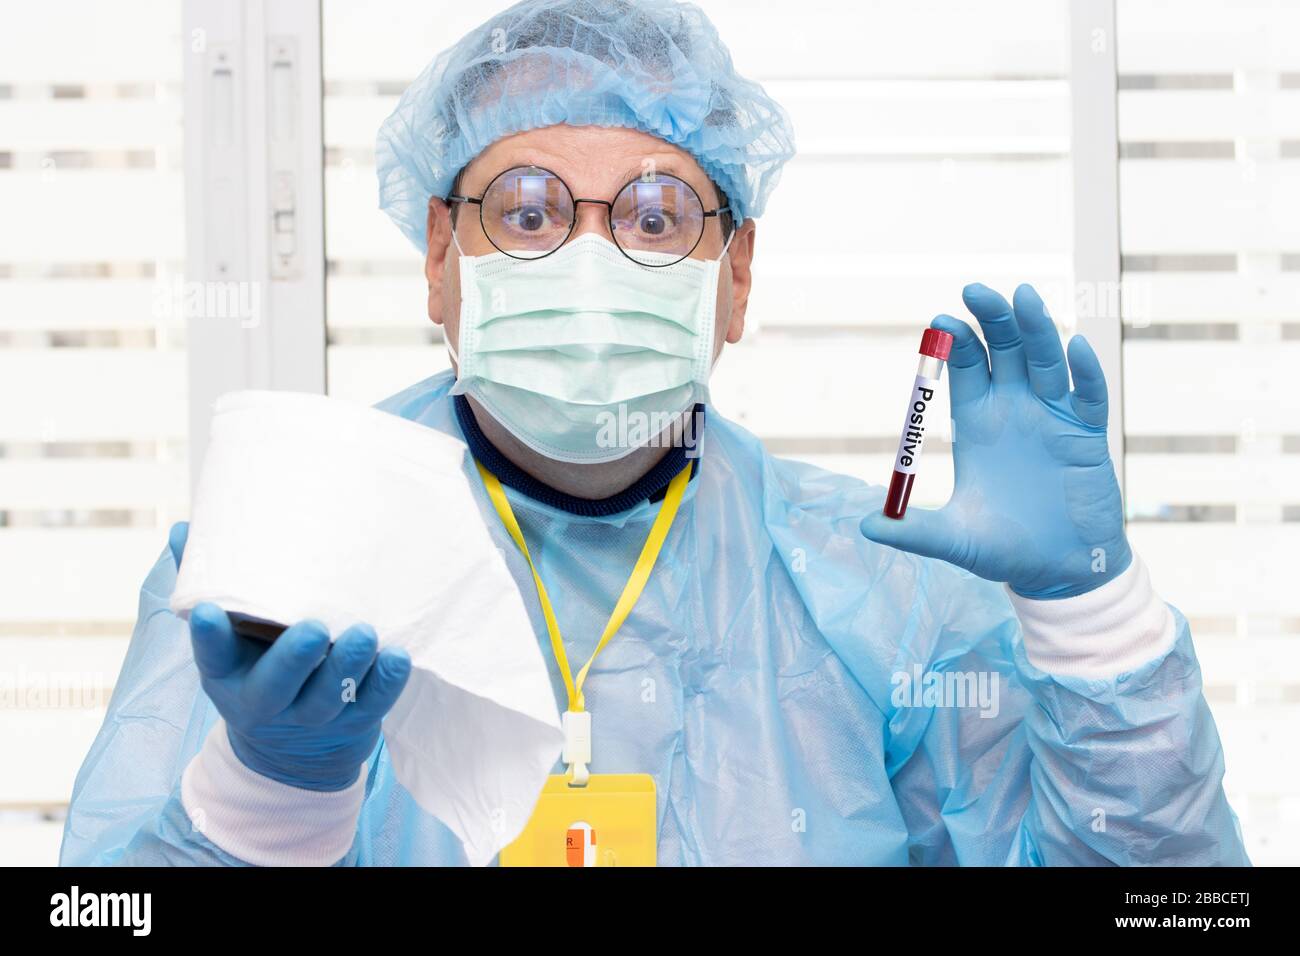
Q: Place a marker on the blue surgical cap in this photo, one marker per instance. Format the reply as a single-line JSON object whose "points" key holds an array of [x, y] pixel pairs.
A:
{"points": [[651, 65]]}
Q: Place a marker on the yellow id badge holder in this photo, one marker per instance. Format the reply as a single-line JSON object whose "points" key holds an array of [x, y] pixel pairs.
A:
{"points": [[583, 818], [609, 822]]}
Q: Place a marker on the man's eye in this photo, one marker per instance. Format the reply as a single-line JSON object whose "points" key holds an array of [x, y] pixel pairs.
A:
{"points": [[654, 223], [527, 218]]}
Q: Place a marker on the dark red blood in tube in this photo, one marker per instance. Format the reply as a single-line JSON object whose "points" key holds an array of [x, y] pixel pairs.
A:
{"points": [[936, 345], [900, 489]]}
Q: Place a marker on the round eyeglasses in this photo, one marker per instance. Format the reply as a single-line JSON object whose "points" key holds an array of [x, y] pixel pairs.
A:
{"points": [[529, 212]]}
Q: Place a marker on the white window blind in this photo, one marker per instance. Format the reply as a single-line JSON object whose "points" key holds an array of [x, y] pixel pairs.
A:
{"points": [[934, 141], [927, 159], [92, 375], [1209, 114]]}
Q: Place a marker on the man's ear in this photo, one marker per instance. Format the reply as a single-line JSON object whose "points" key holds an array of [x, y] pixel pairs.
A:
{"points": [[741, 255], [437, 234]]}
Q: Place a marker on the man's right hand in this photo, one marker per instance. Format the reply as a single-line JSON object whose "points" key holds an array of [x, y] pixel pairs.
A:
{"points": [[300, 710]]}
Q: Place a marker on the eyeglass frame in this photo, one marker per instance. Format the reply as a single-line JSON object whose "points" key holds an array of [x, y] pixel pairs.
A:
{"points": [[609, 216]]}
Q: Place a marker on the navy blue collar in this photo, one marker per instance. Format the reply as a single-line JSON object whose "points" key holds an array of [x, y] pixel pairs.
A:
{"points": [[652, 485]]}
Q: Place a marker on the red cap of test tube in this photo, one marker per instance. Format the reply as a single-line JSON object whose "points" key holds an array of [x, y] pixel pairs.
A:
{"points": [[936, 343]]}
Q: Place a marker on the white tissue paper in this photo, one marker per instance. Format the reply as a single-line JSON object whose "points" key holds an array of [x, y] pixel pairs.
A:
{"points": [[312, 507]]}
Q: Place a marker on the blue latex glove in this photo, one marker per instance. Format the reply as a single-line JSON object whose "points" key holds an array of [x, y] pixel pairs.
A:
{"points": [[1035, 502], [288, 712]]}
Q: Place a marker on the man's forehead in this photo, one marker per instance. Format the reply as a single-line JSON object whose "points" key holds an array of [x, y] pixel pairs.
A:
{"points": [[587, 158]]}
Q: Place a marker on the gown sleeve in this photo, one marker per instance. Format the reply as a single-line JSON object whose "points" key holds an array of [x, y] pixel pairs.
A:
{"points": [[1111, 756], [126, 807], [1121, 767]]}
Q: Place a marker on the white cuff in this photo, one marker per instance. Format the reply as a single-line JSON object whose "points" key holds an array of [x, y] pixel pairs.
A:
{"points": [[1106, 632], [262, 821]]}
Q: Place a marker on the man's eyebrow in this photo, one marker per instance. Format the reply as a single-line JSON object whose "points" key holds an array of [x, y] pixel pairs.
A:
{"points": [[653, 166], [632, 172], [669, 167]]}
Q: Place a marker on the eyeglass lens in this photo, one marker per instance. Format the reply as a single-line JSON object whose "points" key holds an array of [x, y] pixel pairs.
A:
{"points": [[528, 212]]}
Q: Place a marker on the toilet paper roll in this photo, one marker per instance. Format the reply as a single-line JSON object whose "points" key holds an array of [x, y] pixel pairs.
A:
{"points": [[311, 507]]}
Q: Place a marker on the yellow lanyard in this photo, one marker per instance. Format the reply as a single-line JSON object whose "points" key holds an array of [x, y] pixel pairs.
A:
{"points": [[631, 592]]}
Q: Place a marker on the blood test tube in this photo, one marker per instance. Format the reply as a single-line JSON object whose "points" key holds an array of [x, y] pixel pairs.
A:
{"points": [[935, 346]]}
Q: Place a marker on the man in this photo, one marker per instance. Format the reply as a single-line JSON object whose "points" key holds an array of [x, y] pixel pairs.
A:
{"points": [[805, 680]]}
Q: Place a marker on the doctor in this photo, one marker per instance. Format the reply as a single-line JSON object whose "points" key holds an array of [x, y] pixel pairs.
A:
{"points": [[804, 680]]}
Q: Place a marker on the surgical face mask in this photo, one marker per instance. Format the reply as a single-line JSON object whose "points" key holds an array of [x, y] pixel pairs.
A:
{"points": [[584, 355]]}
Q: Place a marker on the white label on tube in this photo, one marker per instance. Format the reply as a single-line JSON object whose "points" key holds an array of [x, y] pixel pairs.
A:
{"points": [[915, 423]]}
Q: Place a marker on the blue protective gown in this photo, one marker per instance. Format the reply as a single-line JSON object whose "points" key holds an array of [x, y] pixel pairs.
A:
{"points": [[754, 680]]}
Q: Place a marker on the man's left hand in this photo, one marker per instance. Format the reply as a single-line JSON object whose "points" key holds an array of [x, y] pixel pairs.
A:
{"points": [[1035, 502]]}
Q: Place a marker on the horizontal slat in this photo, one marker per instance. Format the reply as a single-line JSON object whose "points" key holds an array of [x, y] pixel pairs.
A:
{"points": [[910, 38], [355, 228], [134, 124], [1252, 737], [77, 574], [88, 304], [1211, 297], [81, 41], [411, 36], [92, 394], [30, 842], [1191, 115], [898, 206], [1221, 569], [1152, 480], [848, 289], [368, 302], [1234, 211], [392, 40], [939, 117], [45, 749], [138, 216], [771, 385], [372, 373], [1274, 844], [58, 483], [1217, 388], [1204, 36], [83, 666], [1250, 661], [352, 120]]}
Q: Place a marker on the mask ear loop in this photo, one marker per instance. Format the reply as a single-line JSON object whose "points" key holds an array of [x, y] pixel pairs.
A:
{"points": [[727, 245], [456, 240], [445, 340], [713, 364]]}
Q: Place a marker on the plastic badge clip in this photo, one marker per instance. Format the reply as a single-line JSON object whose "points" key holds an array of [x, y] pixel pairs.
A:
{"points": [[577, 746]]}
